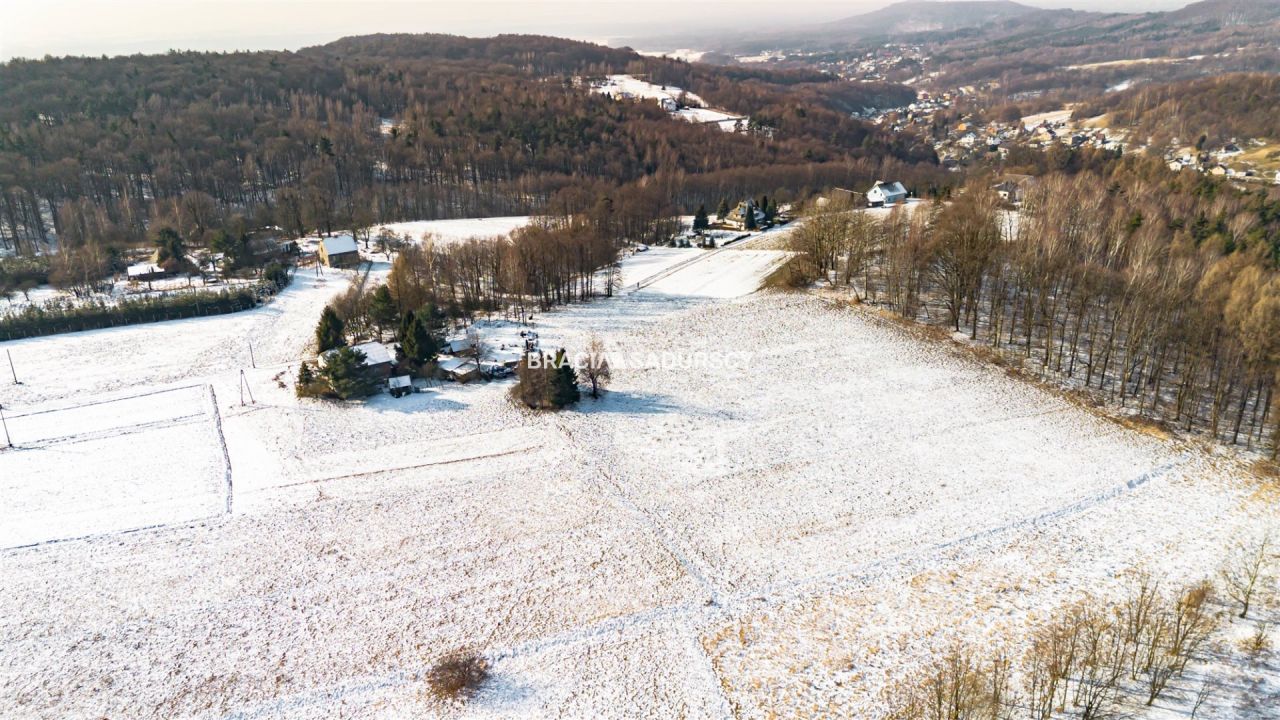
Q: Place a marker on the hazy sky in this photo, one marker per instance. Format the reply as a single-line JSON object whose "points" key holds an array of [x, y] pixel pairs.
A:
{"points": [[34, 28]]}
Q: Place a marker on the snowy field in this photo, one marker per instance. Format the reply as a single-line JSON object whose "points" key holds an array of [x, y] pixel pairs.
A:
{"points": [[451, 231], [626, 86], [774, 537]]}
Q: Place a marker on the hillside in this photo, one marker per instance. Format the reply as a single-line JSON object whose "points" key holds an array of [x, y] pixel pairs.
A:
{"points": [[390, 127], [1219, 109], [920, 16]]}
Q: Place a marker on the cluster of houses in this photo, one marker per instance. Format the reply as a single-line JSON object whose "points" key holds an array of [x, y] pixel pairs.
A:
{"points": [[1220, 162], [463, 359]]}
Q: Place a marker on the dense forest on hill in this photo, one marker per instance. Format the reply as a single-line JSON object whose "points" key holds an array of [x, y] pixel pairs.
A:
{"points": [[1217, 109], [477, 127]]}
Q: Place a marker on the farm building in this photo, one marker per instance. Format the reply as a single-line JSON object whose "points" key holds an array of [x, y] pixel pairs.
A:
{"points": [[460, 369], [883, 193], [339, 251], [145, 272]]}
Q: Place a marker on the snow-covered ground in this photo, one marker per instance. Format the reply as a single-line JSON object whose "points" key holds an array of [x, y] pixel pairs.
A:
{"points": [[626, 86], [777, 536], [684, 54]]}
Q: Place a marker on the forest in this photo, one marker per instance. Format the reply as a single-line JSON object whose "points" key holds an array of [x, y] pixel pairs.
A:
{"points": [[1208, 112], [1154, 291], [392, 127]]}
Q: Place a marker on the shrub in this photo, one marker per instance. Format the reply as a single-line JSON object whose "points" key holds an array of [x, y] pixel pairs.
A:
{"points": [[457, 676]]}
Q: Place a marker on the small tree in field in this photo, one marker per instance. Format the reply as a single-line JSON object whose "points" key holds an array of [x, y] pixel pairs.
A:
{"points": [[564, 382], [1243, 571], [456, 677], [596, 369], [307, 385], [330, 332], [533, 386], [700, 219]]}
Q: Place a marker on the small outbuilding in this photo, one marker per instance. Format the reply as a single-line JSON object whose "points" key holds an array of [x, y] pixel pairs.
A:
{"points": [[459, 369], [400, 385]]}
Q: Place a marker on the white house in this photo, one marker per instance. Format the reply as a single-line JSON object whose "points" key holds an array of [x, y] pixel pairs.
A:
{"points": [[883, 193]]}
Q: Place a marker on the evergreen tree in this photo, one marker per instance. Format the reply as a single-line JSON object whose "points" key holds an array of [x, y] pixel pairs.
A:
{"points": [[722, 212], [532, 387], [330, 330], [347, 375], [564, 382], [382, 309], [306, 385], [418, 343], [700, 219], [749, 217]]}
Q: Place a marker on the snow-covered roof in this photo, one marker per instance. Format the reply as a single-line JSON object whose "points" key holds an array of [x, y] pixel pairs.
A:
{"points": [[893, 188], [375, 353], [145, 268], [456, 365], [339, 244], [400, 381]]}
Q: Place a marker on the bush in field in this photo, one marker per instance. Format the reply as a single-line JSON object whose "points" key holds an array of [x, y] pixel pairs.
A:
{"points": [[308, 385], [1092, 656], [456, 677], [544, 382]]}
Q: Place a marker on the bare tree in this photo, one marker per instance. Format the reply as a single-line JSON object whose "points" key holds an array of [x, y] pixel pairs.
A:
{"points": [[596, 368], [1244, 569]]}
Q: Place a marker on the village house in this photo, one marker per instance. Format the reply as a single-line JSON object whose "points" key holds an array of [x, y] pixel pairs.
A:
{"points": [[737, 218], [1013, 188], [883, 194], [339, 251]]}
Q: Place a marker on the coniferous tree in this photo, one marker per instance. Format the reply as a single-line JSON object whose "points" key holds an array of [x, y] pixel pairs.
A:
{"points": [[533, 387], [749, 218], [330, 330], [418, 343], [382, 309], [306, 385], [722, 212], [347, 376], [700, 219], [564, 382]]}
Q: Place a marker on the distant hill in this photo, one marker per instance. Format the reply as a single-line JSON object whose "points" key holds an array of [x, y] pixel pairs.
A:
{"points": [[1226, 13], [921, 16]]}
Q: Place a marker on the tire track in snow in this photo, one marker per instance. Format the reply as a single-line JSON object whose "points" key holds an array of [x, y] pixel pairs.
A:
{"points": [[695, 615]]}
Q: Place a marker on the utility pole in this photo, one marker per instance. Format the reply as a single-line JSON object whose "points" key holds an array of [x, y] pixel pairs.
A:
{"points": [[244, 385], [5, 425]]}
